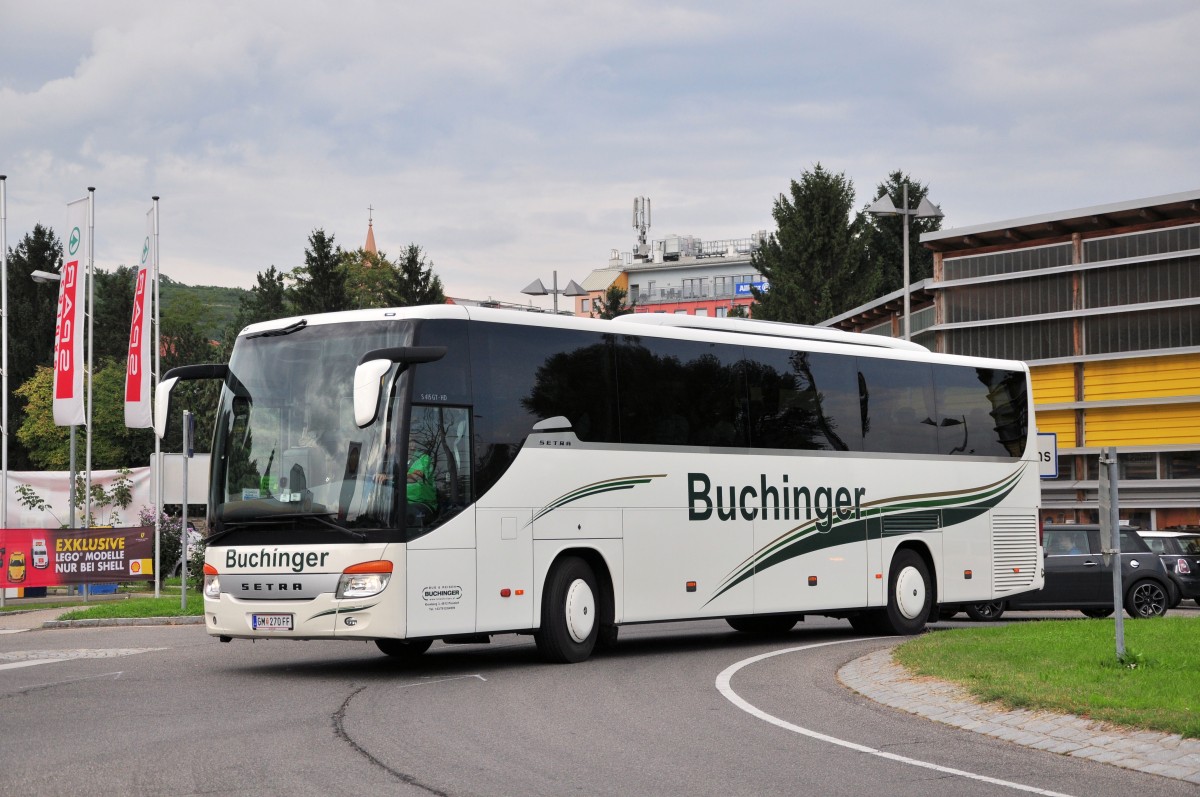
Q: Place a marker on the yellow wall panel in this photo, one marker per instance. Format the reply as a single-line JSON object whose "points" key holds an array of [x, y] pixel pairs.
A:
{"points": [[1061, 422], [1165, 424], [1142, 377], [1053, 384]]}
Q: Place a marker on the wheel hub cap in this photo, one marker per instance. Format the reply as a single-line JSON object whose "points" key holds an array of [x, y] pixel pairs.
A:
{"points": [[910, 592], [581, 610]]}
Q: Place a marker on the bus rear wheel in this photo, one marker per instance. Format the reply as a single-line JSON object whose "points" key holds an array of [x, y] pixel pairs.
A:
{"points": [[570, 613], [909, 595], [403, 648]]}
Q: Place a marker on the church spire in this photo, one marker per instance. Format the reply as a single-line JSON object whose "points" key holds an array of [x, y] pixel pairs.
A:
{"points": [[369, 246]]}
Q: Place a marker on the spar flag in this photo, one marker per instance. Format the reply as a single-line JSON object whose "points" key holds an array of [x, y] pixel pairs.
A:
{"points": [[69, 323], [137, 371]]}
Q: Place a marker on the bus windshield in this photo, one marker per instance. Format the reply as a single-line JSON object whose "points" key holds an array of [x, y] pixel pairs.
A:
{"points": [[287, 453]]}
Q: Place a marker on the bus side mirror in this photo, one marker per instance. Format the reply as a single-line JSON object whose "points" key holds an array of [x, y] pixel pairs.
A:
{"points": [[367, 387], [162, 406]]}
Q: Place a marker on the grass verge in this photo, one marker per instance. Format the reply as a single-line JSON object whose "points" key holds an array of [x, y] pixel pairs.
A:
{"points": [[138, 607], [1070, 666]]}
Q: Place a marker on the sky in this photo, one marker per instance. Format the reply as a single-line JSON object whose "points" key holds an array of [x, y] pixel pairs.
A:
{"points": [[509, 140]]}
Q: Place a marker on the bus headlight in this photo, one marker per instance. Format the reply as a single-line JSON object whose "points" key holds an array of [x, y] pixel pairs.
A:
{"points": [[212, 583], [364, 580]]}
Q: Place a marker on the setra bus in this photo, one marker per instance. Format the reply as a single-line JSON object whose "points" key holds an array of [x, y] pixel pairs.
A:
{"points": [[407, 475]]}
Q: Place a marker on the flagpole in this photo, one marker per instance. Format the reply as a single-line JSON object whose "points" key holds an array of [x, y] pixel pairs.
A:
{"points": [[4, 357], [158, 475], [4, 362], [91, 326]]}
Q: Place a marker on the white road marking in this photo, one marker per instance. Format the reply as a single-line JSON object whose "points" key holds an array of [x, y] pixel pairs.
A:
{"points": [[32, 658], [727, 691]]}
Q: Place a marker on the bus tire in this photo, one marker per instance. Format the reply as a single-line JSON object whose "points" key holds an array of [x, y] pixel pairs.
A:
{"points": [[768, 625], [403, 648], [909, 595], [570, 613]]}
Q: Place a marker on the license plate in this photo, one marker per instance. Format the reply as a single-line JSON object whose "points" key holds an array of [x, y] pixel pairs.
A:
{"points": [[271, 622]]}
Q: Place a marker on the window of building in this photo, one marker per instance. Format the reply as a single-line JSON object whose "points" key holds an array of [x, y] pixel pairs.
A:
{"points": [[1007, 262], [1175, 239], [1181, 464], [1137, 466]]}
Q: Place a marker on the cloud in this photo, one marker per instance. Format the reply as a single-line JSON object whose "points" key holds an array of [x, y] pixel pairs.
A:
{"points": [[509, 139]]}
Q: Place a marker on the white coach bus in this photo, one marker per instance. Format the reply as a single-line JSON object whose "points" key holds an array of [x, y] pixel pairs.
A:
{"points": [[401, 476]]}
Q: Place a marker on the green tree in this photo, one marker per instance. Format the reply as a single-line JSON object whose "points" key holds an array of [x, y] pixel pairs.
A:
{"points": [[613, 304], [114, 445], [267, 300], [183, 344], [814, 260], [415, 282], [319, 286], [31, 312], [114, 312], [884, 238], [370, 278]]}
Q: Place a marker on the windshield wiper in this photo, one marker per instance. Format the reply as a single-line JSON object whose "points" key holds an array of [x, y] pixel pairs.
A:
{"points": [[320, 517], [289, 329]]}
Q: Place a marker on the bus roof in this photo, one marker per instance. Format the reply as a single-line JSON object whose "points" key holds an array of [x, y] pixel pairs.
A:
{"points": [[776, 329]]}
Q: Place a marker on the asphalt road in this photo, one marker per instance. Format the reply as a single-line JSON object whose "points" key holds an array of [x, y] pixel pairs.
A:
{"points": [[168, 710]]}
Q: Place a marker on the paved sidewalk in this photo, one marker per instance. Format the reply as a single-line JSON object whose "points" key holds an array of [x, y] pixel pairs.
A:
{"points": [[877, 677]]}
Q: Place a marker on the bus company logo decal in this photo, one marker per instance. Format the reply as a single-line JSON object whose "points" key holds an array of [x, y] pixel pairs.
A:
{"points": [[441, 598], [841, 522], [595, 488]]}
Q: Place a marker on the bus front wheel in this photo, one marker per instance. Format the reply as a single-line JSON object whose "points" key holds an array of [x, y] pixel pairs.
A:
{"points": [[909, 595], [570, 621]]}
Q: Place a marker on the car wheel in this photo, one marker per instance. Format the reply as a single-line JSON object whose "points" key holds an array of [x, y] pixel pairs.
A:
{"points": [[909, 595], [772, 624], [988, 612], [1097, 614], [403, 648], [1146, 598], [570, 621]]}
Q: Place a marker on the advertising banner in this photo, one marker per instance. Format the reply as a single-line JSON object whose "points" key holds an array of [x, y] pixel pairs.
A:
{"points": [[50, 557], [137, 371], [69, 323]]}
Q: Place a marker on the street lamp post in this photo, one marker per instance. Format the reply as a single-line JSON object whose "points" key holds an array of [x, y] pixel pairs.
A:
{"points": [[924, 210], [536, 288]]}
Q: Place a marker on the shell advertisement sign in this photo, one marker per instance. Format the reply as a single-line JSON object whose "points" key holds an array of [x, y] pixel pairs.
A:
{"points": [[50, 557]]}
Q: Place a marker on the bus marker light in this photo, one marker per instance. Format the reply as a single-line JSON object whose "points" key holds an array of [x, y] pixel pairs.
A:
{"points": [[504, 593], [691, 586], [1016, 570], [967, 574], [812, 581], [520, 592], [879, 576]]}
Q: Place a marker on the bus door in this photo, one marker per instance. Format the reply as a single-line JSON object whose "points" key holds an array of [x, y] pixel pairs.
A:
{"points": [[439, 525]]}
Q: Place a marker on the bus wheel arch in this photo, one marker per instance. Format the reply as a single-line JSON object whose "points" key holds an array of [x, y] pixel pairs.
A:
{"points": [[577, 607], [912, 591]]}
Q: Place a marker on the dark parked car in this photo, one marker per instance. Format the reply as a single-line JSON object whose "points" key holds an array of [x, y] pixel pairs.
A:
{"points": [[1077, 578], [1180, 552]]}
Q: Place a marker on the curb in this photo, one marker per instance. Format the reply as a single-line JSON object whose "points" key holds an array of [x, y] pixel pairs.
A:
{"points": [[123, 621], [877, 677]]}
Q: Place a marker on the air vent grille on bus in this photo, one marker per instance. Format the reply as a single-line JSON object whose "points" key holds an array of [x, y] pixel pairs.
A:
{"points": [[911, 522], [1015, 542]]}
